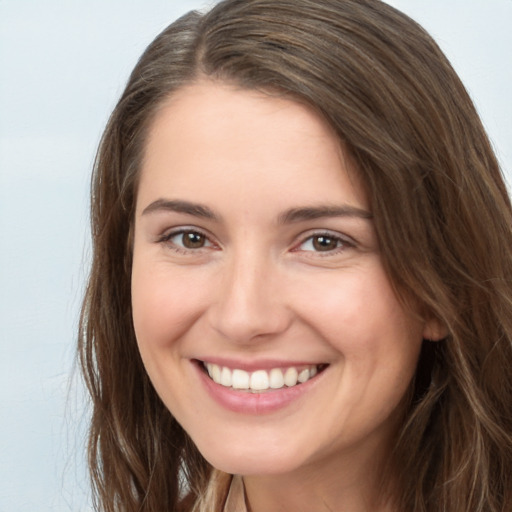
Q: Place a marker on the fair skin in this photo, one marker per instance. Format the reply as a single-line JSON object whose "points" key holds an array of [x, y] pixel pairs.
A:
{"points": [[255, 253]]}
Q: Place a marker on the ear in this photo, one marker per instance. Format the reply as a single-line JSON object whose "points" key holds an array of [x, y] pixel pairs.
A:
{"points": [[434, 330]]}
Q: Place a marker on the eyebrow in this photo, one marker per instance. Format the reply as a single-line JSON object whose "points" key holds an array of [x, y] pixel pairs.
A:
{"points": [[318, 212], [290, 216], [195, 209]]}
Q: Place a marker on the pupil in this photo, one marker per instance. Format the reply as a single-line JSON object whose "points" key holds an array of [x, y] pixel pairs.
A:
{"points": [[193, 240], [324, 243]]}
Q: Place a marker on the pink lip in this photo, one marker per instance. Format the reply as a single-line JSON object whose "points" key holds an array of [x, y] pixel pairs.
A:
{"points": [[255, 403]]}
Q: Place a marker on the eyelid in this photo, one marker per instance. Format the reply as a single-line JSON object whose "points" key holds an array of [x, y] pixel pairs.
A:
{"points": [[166, 237], [346, 241]]}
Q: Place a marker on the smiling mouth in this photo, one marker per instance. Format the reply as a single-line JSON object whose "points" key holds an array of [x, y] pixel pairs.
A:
{"points": [[260, 381]]}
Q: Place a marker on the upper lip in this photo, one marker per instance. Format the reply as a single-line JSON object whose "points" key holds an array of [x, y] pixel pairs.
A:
{"points": [[261, 364]]}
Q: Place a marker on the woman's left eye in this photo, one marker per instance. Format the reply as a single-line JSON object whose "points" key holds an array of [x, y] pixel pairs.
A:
{"points": [[324, 242]]}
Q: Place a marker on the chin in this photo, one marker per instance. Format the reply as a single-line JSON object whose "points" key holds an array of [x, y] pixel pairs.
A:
{"points": [[253, 461]]}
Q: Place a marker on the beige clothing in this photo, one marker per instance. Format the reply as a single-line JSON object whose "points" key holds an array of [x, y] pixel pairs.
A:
{"points": [[235, 501]]}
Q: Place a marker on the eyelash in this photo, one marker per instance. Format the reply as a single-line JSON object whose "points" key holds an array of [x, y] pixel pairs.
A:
{"points": [[342, 243], [166, 239]]}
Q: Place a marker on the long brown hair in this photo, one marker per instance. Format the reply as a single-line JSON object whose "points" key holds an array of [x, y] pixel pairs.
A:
{"points": [[442, 215]]}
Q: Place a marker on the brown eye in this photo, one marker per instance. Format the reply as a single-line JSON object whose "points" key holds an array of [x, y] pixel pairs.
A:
{"points": [[186, 240], [193, 240], [325, 243]]}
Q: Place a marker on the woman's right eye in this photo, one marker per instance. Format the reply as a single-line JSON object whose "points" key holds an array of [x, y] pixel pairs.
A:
{"points": [[186, 239]]}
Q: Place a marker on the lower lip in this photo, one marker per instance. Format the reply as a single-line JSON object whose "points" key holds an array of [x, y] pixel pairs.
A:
{"points": [[255, 403]]}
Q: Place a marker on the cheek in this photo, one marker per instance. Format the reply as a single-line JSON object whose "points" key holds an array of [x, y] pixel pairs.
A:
{"points": [[164, 305], [359, 316]]}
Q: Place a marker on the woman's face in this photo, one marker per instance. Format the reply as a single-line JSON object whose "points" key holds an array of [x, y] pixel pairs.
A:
{"points": [[256, 261]]}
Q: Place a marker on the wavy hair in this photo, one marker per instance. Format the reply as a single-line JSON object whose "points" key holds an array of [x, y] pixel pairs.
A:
{"points": [[442, 216]]}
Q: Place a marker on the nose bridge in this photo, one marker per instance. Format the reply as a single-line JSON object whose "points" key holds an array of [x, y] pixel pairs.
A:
{"points": [[250, 302]]}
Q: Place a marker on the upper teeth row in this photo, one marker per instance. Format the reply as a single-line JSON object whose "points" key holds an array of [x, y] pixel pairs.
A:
{"points": [[260, 380]]}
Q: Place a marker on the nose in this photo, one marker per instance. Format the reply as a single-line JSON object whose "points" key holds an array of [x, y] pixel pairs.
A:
{"points": [[250, 301]]}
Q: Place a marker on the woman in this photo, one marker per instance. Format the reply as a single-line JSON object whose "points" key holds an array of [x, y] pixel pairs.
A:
{"points": [[301, 272]]}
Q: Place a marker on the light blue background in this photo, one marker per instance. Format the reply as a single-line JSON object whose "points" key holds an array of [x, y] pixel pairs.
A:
{"points": [[62, 66]]}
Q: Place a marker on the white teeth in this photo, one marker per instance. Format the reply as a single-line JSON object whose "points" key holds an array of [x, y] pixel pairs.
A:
{"points": [[225, 377], [215, 375], [259, 380], [276, 378], [240, 379], [303, 376], [290, 377]]}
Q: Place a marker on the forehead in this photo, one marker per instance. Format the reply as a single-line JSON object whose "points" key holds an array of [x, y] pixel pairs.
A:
{"points": [[255, 142]]}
